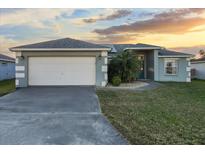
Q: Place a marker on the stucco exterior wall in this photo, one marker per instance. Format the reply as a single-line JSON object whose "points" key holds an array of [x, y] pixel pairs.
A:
{"points": [[21, 71], [22, 64], [150, 64], [183, 71], [200, 70], [7, 70], [156, 66]]}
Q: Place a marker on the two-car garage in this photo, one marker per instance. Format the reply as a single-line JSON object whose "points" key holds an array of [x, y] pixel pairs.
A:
{"points": [[61, 70], [61, 62]]}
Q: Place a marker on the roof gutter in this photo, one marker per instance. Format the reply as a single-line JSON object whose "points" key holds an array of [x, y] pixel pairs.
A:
{"points": [[176, 56], [59, 49], [1, 59]]}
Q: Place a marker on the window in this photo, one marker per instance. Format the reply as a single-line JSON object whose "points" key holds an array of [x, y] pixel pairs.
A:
{"points": [[170, 66]]}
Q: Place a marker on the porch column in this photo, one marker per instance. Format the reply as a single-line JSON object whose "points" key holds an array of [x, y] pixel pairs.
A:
{"points": [[145, 66], [156, 63]]}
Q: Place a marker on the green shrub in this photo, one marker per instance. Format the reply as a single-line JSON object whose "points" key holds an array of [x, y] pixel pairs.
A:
{"points": [[116, 80], [114, 68], [124, 65]]}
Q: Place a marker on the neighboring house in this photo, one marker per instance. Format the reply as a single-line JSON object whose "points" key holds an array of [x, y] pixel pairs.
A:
{"points": [[7, 67], [198, 67], [74, 62]]}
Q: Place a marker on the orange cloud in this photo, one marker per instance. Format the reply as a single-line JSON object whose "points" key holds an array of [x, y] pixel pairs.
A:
{"points": [[175, 22], [191, 49], [115, 15]]}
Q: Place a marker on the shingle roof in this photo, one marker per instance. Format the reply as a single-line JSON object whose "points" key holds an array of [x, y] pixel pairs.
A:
{"points": [[113, 49], [121, 47], [78, 44], [162, 51], [6, 58], [60, 43], [146, 45], [165, 52]]}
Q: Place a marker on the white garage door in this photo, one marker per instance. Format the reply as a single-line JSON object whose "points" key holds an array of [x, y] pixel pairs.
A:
{"points": [[61, 71]]}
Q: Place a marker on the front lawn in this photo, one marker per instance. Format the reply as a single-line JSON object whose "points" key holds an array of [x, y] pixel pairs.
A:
{"points": [[6, 86], [171, 114]]}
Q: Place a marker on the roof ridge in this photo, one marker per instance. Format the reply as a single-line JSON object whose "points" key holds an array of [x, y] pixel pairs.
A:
{"points": [[60, 43], [148, 44]]}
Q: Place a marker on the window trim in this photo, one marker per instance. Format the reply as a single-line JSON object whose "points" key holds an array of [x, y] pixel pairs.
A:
{"points": [[176, 63]]}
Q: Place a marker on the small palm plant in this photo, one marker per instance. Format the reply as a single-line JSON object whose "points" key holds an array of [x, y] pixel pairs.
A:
{"points": [[125, 65]]}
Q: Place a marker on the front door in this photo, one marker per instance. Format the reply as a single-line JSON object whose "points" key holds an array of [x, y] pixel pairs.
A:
{"points": [[140, 72]]}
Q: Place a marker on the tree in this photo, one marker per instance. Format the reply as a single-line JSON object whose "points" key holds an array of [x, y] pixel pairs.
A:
{"points": [[202, 53], [124, 65]]}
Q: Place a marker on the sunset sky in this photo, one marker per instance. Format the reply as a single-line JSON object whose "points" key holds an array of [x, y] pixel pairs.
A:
{"points": [[179, 29]]}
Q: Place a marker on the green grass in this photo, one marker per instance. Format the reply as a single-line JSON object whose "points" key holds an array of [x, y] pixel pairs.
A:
{"points": [[171, 114], [7, 86]]}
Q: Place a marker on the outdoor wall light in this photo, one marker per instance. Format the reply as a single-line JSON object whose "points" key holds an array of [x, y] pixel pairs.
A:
{"points": [[22, 57]]}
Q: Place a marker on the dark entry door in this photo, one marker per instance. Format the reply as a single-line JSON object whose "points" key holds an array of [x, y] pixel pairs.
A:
{"points": [[140, 72]]}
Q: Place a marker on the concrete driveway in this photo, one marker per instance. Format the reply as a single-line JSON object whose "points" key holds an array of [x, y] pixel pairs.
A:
{"points": [[55, 115]]}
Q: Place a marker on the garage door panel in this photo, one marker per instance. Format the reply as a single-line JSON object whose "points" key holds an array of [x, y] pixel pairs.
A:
{"points": [[62, 71]]}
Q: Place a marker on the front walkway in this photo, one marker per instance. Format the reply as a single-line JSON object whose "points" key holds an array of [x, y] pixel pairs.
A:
{"points": [[136, 86]]}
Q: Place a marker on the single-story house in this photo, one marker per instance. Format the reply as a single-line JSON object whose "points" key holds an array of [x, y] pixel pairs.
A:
{"points": [[7, 67], [198, 67], [74, 62]]}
